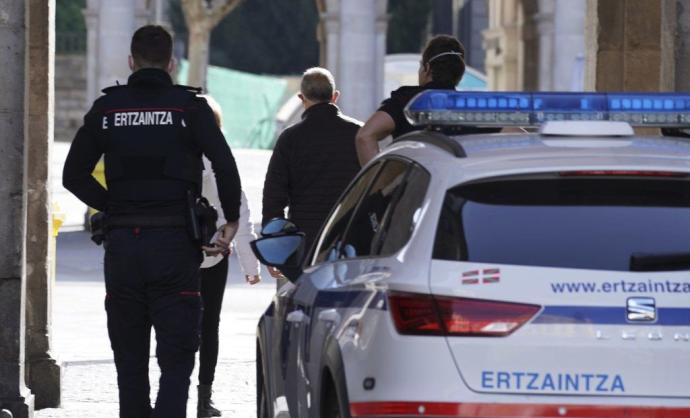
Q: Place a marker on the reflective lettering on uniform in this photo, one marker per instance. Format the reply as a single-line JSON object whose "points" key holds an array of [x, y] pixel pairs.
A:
{"points": [[552, 382], [105, 122], [146, 118]]}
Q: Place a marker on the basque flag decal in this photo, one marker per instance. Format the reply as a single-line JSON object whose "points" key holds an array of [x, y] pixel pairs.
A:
{"points": [[481, 276]]}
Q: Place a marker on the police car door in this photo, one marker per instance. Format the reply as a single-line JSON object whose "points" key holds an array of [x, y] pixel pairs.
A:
{"points": [[276, 348], [309, 327], [299, 321], [335, 291]]}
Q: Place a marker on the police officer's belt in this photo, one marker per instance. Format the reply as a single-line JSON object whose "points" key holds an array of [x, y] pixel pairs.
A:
{"points": [[141, 221]]}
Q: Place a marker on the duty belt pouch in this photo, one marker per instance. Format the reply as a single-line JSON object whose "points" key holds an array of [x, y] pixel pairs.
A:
{"points": [[97, 227], [202, 218]]}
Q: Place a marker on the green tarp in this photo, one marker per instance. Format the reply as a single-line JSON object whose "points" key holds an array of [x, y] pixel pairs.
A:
{"points": [[249, 102]]}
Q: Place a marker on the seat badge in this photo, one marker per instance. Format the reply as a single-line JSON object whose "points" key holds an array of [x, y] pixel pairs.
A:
{"points": [[641, 309]]}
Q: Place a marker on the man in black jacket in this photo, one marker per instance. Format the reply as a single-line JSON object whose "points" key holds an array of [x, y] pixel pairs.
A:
{"points": [[152, 135], [313, 160]]}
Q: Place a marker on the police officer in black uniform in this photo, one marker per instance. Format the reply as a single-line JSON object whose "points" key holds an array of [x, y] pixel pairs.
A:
{"points": [[152, 135]]}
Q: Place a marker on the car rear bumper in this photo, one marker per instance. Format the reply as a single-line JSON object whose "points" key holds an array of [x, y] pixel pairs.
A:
{"points": [[504, 410]]}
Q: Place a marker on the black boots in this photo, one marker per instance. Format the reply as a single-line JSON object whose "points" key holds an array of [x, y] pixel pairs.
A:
{"points": [[205, 406]]}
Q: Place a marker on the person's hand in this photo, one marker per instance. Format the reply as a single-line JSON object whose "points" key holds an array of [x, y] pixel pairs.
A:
{"points": [[252, 279], [221, 245], [227, 234], [275, 273], [214, 250]]}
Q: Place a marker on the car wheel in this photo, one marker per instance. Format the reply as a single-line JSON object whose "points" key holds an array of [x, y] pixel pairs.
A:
{"points": [[331, 405], [261, 393], [331, 409]]}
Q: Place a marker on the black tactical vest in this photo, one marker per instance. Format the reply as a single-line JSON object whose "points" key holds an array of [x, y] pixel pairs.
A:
{"points": [[150, 154]]}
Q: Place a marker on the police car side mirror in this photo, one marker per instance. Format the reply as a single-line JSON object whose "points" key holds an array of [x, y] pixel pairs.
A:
{"points": [[278, 226], [284, 252]]}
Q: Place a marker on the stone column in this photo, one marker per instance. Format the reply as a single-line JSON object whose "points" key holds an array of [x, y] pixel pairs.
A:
{"points": [[682, 75], [353, 47], [14, 396], [502, 45], [630, 45], [42, 372], [569, 45], [330, 36], [91, 19], [545, 27], [144, 13], [116, 24], [561, 44], [355, 76], [160, 16], [380, 30], [358, 68]]}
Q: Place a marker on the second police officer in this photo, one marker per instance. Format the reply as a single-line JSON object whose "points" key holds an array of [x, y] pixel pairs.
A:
{"points": [[152, 135]]}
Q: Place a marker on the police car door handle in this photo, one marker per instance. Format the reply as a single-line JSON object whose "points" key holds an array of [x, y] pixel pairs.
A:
{"points": [[297, 317], [329, 315]]}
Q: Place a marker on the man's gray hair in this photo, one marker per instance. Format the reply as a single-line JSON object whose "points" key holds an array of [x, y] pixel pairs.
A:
{"points": [[318, 84]]}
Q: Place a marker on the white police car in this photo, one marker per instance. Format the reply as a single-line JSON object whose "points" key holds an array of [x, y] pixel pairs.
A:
{"points": [[502, 275]]}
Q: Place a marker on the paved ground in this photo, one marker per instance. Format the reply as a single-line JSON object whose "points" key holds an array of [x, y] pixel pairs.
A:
{"points": [[80, 338]]}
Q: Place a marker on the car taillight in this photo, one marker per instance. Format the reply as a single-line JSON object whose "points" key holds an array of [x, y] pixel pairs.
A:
{"points": [[419, 314], [415, 314]]}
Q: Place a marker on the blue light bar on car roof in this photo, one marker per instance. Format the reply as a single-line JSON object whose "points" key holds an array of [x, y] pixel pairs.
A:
{"points": [[450, 107]]}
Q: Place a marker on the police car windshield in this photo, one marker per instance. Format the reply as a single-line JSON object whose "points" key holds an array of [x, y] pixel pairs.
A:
{"points": [[569, 222]]}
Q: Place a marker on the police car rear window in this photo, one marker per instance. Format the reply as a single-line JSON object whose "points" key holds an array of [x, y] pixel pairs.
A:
{"points": [[571, 222]]}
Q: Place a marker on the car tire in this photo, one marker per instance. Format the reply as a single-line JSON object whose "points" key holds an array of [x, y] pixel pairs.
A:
{"points": [[330, 407], [261, 393]]}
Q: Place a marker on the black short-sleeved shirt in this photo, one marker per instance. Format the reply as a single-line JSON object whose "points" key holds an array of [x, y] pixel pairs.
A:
{"points": [[395, 105]]}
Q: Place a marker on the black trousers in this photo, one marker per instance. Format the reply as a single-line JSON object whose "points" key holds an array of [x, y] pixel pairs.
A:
{"points": [[152, 279], [213, 281]]}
